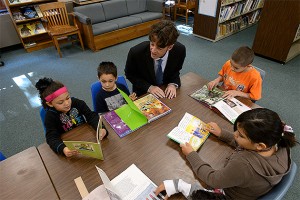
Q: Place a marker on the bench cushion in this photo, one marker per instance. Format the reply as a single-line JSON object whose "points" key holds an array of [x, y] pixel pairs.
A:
{"points": [[94, 11], [136, 6], [114, 9], [126, 21], [104, 27], [147, 16]]}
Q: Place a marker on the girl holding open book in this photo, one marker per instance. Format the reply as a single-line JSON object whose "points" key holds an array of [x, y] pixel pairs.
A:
{"points": [[63, 114], [261, 158]]}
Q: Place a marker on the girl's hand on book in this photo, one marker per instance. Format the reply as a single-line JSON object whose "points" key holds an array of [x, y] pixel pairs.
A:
{"points": [[69, 153], [186, 148], [103, 133], [213, 128], [160, 189]]}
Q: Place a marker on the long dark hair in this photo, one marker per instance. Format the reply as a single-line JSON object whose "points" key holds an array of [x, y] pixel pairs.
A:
{"points": [[47, 86], [264, 125]]}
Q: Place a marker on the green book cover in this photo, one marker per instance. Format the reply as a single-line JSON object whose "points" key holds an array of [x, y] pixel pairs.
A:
{"points": [[90, 149]]}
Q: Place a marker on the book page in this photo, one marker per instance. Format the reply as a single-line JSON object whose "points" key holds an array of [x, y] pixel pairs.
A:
{"points": [[152, 107], [98, 193], [180, 136], [206, 96], [231, 108], [131, 184]]}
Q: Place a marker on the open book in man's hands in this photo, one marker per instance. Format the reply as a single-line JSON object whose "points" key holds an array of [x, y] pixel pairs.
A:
{"points": [[230, 108], [90, 149], [131, 184], [190, 129]]}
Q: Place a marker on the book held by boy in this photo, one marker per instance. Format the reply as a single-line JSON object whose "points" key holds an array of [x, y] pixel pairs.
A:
{"points": [[90, 149], [190, 129], [230, 108], [135, 114], [131, 184]]}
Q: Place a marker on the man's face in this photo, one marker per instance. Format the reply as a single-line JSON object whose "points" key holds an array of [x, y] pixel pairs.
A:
{"points": [[157, 52]]}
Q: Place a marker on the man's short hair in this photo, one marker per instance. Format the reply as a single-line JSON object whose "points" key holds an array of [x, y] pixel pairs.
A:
{"points": [[107, 68], [243, 56], [164, 33]]}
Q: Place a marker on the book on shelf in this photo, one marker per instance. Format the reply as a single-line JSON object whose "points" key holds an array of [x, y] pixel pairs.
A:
{"points": [[132, 183], [11, 2], [18, 16], [230, 108], [135, 114], [29, 12], [190, 129], [31, 28], [90, 149]]}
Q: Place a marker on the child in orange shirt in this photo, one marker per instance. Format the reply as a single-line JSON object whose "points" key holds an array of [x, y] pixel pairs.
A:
{"points": [[239, 77]]}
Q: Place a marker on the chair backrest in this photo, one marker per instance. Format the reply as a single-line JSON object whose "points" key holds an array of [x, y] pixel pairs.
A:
{"points": [[279, 190], [2, 157], [43, 115], [262, 72], [96, 86], [55, 13]]}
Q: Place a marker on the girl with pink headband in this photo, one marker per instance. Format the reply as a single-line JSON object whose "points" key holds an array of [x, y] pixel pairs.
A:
{"points": [[63, 114]]}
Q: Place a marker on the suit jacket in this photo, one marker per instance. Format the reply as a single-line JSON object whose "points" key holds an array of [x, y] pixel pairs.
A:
{"points": [[139, 69]]}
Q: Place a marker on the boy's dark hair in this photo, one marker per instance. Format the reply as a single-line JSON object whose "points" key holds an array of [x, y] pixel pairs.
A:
{"points": [[47, 86], [243, 56], [205, 195], [264, 125], [164, 33], [107, 68]]}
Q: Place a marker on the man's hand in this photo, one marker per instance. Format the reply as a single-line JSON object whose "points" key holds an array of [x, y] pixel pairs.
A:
{"points": [[170, 91], [186, 148], [157, 92]]}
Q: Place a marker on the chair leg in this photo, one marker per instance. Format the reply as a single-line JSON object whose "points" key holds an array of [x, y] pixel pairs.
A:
{"points": [[80, 39], [57, 46], [175, 14], [186, 16]]}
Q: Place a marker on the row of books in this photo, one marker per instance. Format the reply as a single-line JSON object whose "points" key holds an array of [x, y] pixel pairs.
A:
{"points": [[31, 28], [27, 12], [229, 12], [237, 24]]}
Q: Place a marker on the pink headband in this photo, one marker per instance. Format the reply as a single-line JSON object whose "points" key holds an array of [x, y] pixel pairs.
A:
{"points": [[55, 94]]}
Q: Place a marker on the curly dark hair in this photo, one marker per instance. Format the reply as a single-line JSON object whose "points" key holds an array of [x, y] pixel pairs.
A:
{"points": [[47, 86]]}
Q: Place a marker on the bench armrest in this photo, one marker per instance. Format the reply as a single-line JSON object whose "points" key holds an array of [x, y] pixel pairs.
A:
{"points": [[82, 18], [155, 5]]}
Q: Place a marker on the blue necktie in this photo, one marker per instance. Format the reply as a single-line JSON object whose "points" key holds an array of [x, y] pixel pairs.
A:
{"points": [[159, 73]]}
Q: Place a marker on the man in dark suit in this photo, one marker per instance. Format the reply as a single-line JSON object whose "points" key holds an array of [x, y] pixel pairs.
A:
{"points": [[157, 62]]}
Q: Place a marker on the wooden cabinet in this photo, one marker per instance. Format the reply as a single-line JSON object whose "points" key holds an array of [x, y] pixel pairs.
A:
{"points": [[277, 36], [231, 16], [26, 19]]}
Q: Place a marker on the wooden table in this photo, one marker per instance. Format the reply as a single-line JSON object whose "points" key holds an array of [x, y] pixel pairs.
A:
{"points": [[149, 148], [23, 176]]}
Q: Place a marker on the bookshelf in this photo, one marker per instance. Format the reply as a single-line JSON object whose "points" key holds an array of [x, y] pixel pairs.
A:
{"points": [[26, 19], [231, 16], [278, 32]]}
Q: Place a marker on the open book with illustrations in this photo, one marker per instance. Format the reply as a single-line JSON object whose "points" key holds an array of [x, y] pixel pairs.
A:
{"points": [[31, 28], [190, 129], [230, 108], [131, 184], [90, 149], [135, 114]]}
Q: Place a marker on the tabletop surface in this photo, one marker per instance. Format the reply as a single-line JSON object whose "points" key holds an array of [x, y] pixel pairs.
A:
{"points": [[148, 147], [23, 176]]}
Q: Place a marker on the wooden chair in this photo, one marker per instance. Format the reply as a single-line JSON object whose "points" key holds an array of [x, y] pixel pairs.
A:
{"points": [[186, 5], [57, 23]]}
